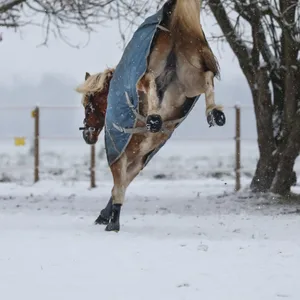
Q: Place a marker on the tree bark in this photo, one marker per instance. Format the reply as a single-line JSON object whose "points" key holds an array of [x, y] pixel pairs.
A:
{"points": [[258, 80], [288, 149], [262, 100], [278, 124], [267, 163], [285, 176]]}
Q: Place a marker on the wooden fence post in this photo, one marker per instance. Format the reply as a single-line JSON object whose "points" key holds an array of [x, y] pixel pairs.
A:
{"points": [[237, 148], [36, 115], [93, 166]]}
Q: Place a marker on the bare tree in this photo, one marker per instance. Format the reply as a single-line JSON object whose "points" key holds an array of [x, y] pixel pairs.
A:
{"points": [[265, 37], [55, 16]]}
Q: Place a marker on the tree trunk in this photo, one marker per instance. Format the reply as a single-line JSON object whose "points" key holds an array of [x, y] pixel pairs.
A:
{"points": [[274, 119], [285, 177], [266, 167], [288, 143]]}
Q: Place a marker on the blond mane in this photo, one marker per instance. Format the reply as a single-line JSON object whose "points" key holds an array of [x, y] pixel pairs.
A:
{"points": [[96, 82]]}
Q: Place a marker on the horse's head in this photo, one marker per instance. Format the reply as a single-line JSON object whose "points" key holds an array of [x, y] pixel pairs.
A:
{"points": [[94, 100]]}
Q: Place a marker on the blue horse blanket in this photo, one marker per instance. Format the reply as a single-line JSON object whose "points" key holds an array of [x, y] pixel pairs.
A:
{"points": [[130, 69]]}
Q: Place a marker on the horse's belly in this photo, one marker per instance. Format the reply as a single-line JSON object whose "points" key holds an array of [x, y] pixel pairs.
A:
{"points": [[151, 142]]}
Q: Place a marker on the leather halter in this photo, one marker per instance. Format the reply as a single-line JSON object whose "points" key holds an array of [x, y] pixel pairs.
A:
{"points": [[89, 108]]}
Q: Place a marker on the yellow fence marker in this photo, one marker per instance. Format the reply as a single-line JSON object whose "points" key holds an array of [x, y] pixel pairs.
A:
{"points": [[33, 113], [20, 141]]}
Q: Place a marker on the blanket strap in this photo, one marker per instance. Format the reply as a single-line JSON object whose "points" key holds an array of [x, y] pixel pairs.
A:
{"points": [[143, 119], [163, 28]]}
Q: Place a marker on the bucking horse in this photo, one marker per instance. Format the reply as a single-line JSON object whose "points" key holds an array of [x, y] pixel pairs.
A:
{"points": [[164, 69]]}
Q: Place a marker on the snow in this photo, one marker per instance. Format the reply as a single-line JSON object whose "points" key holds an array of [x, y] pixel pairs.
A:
{"points": [[69, 160], [185, 236], [155, 257]]}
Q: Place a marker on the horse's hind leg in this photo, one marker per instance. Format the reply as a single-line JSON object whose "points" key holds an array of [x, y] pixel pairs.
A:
{"points": [[214, 112], [196, 81]]}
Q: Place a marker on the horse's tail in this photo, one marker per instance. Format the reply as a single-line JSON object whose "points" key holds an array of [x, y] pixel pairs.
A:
{"points": [[187, 32], [185, 20]]}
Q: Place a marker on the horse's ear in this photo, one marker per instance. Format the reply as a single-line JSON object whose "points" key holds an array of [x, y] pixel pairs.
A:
{"points": [[87, 75]]}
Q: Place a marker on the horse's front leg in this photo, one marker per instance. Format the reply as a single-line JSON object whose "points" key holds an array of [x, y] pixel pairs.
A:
{"points": [[147, 86], [156, 66], [111, 213], [214, 113], [123, 174], [105, 214], [113, 208]]}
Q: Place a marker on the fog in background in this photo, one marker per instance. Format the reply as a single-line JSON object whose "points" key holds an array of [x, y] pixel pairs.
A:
{"points": [[33, 75]]}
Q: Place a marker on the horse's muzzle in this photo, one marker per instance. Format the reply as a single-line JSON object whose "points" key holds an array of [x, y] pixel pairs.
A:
{"points": [[90, 137]]}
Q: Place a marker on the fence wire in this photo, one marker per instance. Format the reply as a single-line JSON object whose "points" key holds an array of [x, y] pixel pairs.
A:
{"points": [[37, 137]]}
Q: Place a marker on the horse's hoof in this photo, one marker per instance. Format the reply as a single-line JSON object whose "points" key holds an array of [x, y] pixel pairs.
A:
{"points": [[113, 226], [216, 117], [154, 123], [101, 220]]}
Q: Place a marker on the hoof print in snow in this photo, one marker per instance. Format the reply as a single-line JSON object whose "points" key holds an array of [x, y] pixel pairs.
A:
{"points": [[202, 248], [160, 176], [163, 211], [183, 285]]}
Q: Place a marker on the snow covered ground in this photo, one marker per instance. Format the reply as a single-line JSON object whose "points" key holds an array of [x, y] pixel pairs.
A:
{"points": [[184, 233]]}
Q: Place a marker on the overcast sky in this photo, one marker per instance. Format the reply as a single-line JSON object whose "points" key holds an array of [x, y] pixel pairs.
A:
{"points": [[31, 74], [20, 55]]}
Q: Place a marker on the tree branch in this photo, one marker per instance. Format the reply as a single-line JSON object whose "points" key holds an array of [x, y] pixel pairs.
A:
{"points": [[251, 13], [290, 26], [54, 16], [10, 5], [240, 49]]}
